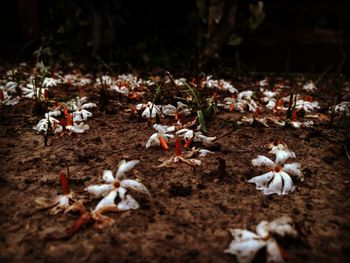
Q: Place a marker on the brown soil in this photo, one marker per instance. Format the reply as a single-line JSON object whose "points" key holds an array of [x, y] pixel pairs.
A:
{"points": [[188, 217]]}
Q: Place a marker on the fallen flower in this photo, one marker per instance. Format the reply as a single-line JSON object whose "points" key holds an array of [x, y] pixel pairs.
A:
{"points": [[79, 106], [116, 186], [277, 180], [55, 125], [246, 244], [63, 202], [150, 110], [161, 137]]}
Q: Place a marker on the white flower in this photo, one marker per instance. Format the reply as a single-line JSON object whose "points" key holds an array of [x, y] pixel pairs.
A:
{"points": [[78, 128], [79, 106], [11, 87], [30, 91], [277, 180], [49, 82], [343, 107], [117, 186], [161, 135], [170, 110], [310, 86], [307, 106], [43, 124], [246, 244], [150, 110]]}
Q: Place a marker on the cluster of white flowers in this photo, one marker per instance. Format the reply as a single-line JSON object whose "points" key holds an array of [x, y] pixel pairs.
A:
{"points": [[75, 113]]}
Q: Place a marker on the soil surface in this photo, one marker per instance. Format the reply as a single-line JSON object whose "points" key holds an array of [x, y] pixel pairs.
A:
{"points": [[191, 209]]}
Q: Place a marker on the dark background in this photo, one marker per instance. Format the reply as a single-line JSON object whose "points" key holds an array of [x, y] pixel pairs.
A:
{"points": [[296, 36]]}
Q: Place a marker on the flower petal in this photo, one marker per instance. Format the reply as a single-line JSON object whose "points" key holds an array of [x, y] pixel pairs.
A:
{"points": [[262, 181], [262, 229], [153, 138], [275, 187], [121, 192], [125, 167], [135, 185], [99, 190], [287, 183], [293, 169], [245, 245], [283, 155], [128, 203], [273, 252], [263, 161], [283, 226], [108, 176], [107, 201]]}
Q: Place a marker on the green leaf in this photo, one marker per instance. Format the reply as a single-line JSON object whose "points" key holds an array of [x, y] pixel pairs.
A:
{"points": [[201, 120], [234, 40]]}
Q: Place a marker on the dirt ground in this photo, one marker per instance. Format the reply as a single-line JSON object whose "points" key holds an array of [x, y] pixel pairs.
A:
{"points": [[191, 210]]}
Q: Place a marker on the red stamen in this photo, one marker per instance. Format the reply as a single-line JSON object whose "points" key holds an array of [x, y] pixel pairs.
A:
{"points": [[194, 81], [294, 115], [281, 104], [257, 113], [178, 145], [64, 183], [188, 143], [176, 115], [310, 98], [232, 107], [163, 143], [81, 221], [69, 119], [2, 95], [46, 94]]}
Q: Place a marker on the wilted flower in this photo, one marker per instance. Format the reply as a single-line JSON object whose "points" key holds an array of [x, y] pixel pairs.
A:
{"points": [[60, 203], [30, 91], [277, 180], [246, 244]]}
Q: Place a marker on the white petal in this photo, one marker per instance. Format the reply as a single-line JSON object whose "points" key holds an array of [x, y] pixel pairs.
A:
{"points": [[287, 183], [63, 201], [262, 181], [204, 152], [108, 176], [282, 156], [86, 114], [246, 247], [273, 252], [99, 190], [121, 192], [293, 169], [262, 229], [275, 187], [205, 139], [108, 200], [283, 226], [135, 185], [263, 161], [125, 167], [128, 203], [146, 113], [153, 138], [88, 105]]}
